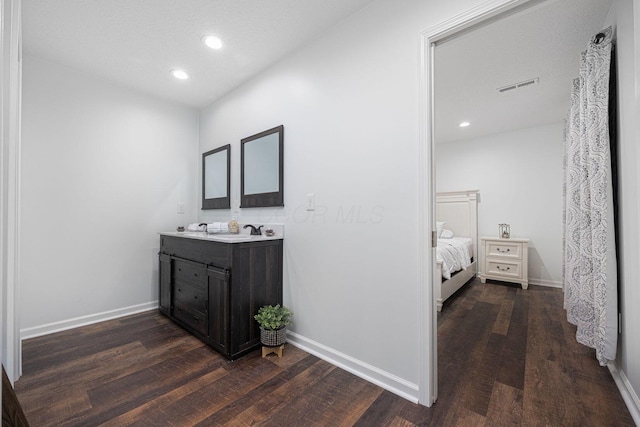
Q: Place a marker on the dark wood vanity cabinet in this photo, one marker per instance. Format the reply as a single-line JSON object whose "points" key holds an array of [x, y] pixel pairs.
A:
{"points": [[213, 289]]}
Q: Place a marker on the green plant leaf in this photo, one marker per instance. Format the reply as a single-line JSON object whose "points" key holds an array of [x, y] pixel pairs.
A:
{"points": [[273, 317]]}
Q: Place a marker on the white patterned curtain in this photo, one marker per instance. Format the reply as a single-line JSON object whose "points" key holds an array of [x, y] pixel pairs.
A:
{"points": [[590, 279]]}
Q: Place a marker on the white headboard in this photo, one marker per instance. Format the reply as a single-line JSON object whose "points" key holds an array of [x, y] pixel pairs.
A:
{"points": [[459, 211]]}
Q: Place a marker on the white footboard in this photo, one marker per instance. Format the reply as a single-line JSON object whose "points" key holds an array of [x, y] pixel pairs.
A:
{"points": [[437, 286], [446, 288]]}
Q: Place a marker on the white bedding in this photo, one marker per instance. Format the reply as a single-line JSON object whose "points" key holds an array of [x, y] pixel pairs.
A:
{"points": [[455, 254]]}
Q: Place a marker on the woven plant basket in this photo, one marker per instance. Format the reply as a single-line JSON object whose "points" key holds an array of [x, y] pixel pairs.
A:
{"points": [[271, 338]]}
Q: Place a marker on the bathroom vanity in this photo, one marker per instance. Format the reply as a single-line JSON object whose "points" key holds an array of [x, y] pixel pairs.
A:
{"points": [[213, 285]]}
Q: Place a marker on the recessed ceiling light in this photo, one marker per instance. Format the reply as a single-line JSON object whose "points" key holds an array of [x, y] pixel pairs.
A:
{"points": [[212, 41], [180, 74], [464, 124]]}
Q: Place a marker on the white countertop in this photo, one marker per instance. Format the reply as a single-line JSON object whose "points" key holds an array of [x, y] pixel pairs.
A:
{"points": [[220, 237]]}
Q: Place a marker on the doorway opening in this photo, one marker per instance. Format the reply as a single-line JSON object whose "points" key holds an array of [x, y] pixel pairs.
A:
{"points": [[466, 27]]}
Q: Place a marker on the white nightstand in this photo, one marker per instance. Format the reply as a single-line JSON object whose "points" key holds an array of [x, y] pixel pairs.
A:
{"points": [[505, 260]]}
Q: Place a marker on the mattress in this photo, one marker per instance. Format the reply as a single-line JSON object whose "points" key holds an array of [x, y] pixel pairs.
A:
{"points": [[455, 254]]}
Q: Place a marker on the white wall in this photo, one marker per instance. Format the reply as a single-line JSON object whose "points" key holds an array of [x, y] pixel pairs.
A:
{"points": [[348, 103], [103, 169], [519, 175], [622, 17]]}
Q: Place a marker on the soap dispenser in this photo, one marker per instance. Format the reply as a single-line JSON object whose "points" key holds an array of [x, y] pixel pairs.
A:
{"points": [[233, 226]]}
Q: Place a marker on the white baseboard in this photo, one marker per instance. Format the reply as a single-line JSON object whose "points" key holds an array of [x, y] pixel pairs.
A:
{"points": [[76, 322], [390, 382], [626, 391], [547, 283]]}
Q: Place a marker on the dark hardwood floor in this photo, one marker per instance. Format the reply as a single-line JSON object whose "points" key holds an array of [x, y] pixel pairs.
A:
{"points": [[506, 357]]}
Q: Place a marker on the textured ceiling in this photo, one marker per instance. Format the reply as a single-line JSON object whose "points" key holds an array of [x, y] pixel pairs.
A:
{"points": [[544, 41], [137, 42]]}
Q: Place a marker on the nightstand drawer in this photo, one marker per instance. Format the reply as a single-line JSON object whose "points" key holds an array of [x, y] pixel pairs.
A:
{"points": [[506, 269], [507, 250]]}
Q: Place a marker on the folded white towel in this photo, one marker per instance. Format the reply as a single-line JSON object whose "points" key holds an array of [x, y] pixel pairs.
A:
{"points": [[218, 227]]}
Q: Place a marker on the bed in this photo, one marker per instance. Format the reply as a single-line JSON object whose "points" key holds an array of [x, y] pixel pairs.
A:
{"points": [[457, 257]]}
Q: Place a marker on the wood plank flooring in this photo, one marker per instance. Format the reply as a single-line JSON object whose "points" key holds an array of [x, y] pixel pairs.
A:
{"points": [[506, 357]]}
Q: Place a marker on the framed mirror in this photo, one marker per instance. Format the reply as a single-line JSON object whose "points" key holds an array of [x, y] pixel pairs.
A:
{"points": [[216, 165], [261, 169]]}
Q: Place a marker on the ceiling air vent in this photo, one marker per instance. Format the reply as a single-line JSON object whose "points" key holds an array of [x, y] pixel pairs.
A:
{"points": [[518, 85]]}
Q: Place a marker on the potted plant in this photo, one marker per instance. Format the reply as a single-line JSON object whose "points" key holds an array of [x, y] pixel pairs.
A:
{"points": [[273, 320]]}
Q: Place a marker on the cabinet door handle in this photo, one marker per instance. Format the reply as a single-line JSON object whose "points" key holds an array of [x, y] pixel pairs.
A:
{"points": [[503, 251], [179, 289], [195, 274], [503, 269], [179, 268]]}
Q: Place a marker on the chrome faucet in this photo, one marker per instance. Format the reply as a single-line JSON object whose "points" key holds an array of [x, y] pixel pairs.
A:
{"points": [[255, 231]]}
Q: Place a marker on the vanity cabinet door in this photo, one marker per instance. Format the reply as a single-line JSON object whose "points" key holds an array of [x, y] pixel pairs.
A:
{"points": [[164, 296], [219, 309], [256, 281]]}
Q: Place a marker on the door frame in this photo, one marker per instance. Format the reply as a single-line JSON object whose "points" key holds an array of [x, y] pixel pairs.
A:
{"points": [[10, 125], [480, 15]]}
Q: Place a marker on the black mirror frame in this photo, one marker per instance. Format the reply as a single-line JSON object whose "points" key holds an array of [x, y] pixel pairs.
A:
{"points": [[217, 202], [260, 200]]}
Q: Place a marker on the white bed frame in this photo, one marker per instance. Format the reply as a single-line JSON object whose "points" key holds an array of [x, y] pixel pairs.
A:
{"points": [[459, 211]]}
